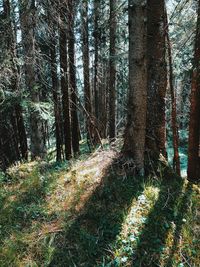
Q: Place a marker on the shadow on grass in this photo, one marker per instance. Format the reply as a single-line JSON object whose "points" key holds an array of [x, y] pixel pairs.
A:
{"points": [[166, 216], [85, 241], [22, 204], [182, 211]]}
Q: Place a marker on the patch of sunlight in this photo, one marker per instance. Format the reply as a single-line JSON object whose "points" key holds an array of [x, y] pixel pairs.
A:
{"points": [[21, 170], [170, 239], [23, 247], [183, 237], [126, 242], [74, 186]]}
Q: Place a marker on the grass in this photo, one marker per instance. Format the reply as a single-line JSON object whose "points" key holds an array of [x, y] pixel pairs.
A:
{"points": [[89, 212]]}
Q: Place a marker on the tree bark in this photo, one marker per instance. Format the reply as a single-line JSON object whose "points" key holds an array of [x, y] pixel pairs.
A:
{"points": [[18, 121], [28, 26], [194, 124], [64, 81], [135, 132], [96, 56], [72, 77], [157, 78], [86, 74], [55, 83], [112, 63]]}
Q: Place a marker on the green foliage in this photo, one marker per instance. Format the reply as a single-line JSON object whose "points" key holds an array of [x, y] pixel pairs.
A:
{"points": [[2, 97]]}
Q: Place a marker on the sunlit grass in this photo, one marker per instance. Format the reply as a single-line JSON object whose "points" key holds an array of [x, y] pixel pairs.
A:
{"points": [[85, 213], [42, 200], [121, 254]]}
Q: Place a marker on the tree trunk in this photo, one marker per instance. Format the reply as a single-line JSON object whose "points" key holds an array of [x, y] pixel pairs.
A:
{"points": [[64, 81], [28, 26], [72, 77], [176, 160], [86, 73], [194, 125], [96, 56], [55, 85], [135, 132], [20, 133], [112, 63], [157, 78]]}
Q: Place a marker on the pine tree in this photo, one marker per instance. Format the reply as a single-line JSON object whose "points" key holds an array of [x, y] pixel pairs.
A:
{"points": [[135, 132], [72, 77], [194, 125], [28, 26], [157, 78], [112, 64]]}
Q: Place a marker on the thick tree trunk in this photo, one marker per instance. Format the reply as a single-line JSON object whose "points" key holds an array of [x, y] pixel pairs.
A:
{"points": [[176, 160], [8, 153], [28, 26], [194, 125], [157, 78], [135, 132], [72, 78], [9, 150], [64, 81], [112, 63]]}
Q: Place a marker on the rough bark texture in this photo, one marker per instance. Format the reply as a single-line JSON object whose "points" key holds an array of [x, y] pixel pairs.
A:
{"points": [[157, 78], [194, 125], [176, 159], [8, 154], [64, 81], [28, 25], [101, 122], [112, 65], [72, 78], [135, 132]]}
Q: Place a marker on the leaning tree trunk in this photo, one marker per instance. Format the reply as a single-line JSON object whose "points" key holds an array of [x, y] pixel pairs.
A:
{"points": [[112, 64], [157, 78], [135, 132], [194, 125], [176, 159], [72, 77], [28, 26], [64, 81]]}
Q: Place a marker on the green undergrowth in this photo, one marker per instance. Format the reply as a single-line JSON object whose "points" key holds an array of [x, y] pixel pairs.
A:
{"points": [[89, 212]]}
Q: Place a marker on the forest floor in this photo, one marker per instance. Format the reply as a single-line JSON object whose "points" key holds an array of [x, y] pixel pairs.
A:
{"points": [[89, 212]]}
